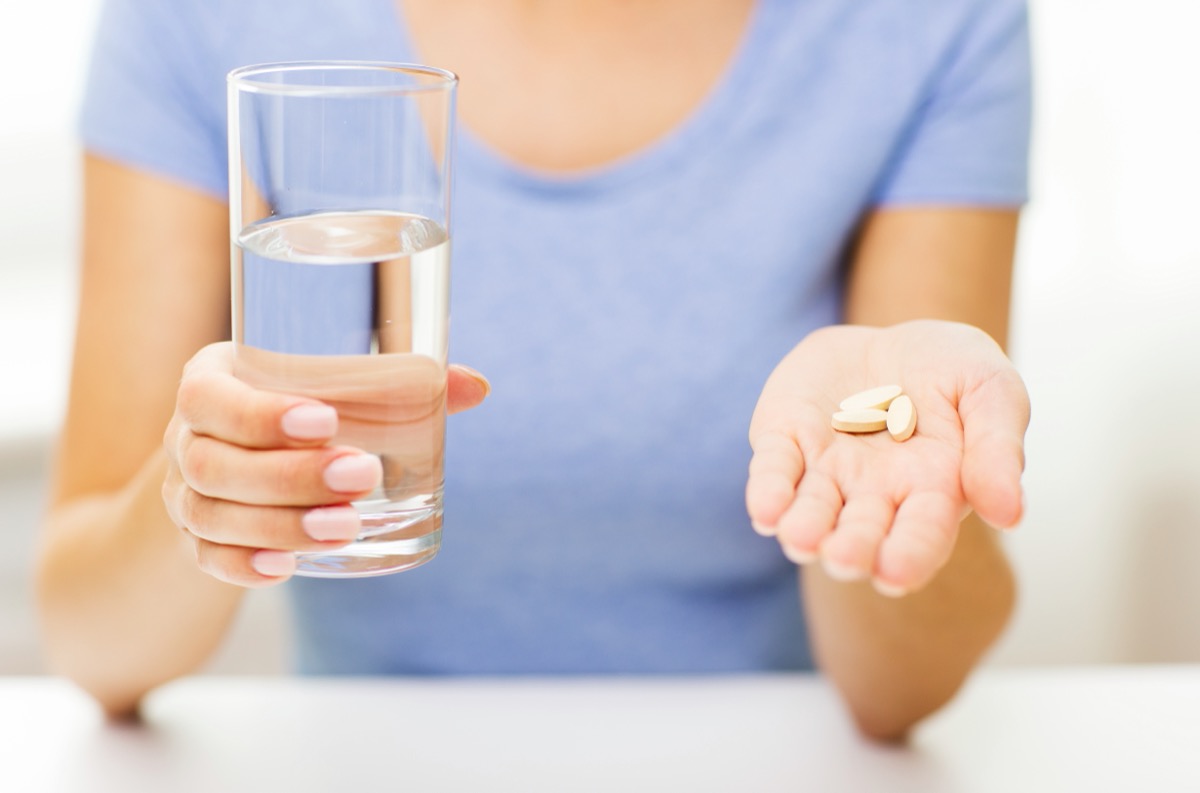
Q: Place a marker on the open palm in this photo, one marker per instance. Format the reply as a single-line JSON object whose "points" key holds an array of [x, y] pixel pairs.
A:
{"points": [[867, 505]]}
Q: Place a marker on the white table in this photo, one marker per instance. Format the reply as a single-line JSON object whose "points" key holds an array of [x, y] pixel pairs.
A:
{"points": [[1107, 729]]}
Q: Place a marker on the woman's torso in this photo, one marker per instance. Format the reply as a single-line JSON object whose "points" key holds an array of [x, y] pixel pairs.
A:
{"points": [[627, 303]]}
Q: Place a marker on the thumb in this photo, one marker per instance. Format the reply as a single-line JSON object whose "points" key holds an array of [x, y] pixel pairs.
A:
{"points": [[995, 415], [465, 388]]}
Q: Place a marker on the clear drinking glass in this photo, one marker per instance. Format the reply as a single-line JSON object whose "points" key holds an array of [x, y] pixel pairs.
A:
{"points": [[339, 197]]}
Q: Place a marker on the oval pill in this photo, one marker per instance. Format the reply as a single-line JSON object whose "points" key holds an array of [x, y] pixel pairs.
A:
{"points": [[871, 420], [902, 418], [872, 399]]}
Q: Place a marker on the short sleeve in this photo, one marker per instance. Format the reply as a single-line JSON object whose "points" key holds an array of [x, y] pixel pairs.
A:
{"points": [[154, 94], [968, 141]]}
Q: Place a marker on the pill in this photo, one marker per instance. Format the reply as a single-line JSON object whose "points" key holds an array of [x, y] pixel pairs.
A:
{"points": [[872, 399], [901, 418], [869, 420]]}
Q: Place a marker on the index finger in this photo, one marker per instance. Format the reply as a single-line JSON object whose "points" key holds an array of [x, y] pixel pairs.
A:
{"points": [[215, 403]]}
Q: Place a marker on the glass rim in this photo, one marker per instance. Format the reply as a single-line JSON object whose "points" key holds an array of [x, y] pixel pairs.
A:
{"points": [[243, 78]]}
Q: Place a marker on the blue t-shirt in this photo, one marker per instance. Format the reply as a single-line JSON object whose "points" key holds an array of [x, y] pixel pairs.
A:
{"points": [[627, 317]]}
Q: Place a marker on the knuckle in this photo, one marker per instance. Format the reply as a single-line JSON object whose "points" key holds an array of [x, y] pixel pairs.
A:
{"points": [[205, 557], [190, 398], [171, 435], [170, 498], [295, 470], [215, 560], [232, 565], [194, 511], [255, 419], [196, 464]]}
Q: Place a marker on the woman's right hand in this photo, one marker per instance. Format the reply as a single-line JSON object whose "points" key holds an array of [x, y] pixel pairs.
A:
{"points": [[252, 477]]}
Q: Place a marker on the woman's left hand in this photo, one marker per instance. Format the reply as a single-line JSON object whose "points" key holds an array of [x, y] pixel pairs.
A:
{"points": [[868, 506]]}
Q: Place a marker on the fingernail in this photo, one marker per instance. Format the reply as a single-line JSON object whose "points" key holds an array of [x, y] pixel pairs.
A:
{"points": [[888, 590], [310, 422], [273, 563], [766, 531], [353, 473], [841, 572], [332, 523], [474, 375], [796, 555]]}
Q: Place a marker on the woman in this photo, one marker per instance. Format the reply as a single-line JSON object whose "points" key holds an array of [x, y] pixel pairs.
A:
{"points": [[658, 204]]}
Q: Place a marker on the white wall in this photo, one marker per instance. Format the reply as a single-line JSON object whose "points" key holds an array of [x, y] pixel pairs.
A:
{"points": [[43, 52], [1104, 328], [1108, 337], [39, 86]]}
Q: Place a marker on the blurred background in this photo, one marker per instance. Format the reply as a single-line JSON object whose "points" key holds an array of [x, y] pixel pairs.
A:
{"points": [[1105, 330]]}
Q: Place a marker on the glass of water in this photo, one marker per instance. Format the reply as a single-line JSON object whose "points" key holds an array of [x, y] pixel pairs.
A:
{"points": [[339, 197]]}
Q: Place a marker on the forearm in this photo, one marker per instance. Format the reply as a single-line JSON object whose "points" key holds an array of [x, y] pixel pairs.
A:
{"points": [[896, 660], [123, 605]]}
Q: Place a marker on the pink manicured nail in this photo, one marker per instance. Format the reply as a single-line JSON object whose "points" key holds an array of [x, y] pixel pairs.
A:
{"points": [[273, 563], [310, 422], [476, 376], [354, 473], [332, 523]]}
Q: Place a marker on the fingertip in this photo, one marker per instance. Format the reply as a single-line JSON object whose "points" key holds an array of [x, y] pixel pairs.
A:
{"points": [[309, 422], [899, 572], [887, 589], [1004, 514], [476, 376], [997, 497], [839, 571], [219, 405], [766, 503], [774, 471], [243, 567], [994, 425], [919, 543], [796, 555], [273, 564], [340, 524], [353, 473], [812, 513], [465, 388], [762, 529]]}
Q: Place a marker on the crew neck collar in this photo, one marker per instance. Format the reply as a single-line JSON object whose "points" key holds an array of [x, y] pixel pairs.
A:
{"points": [[712, 115]]}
